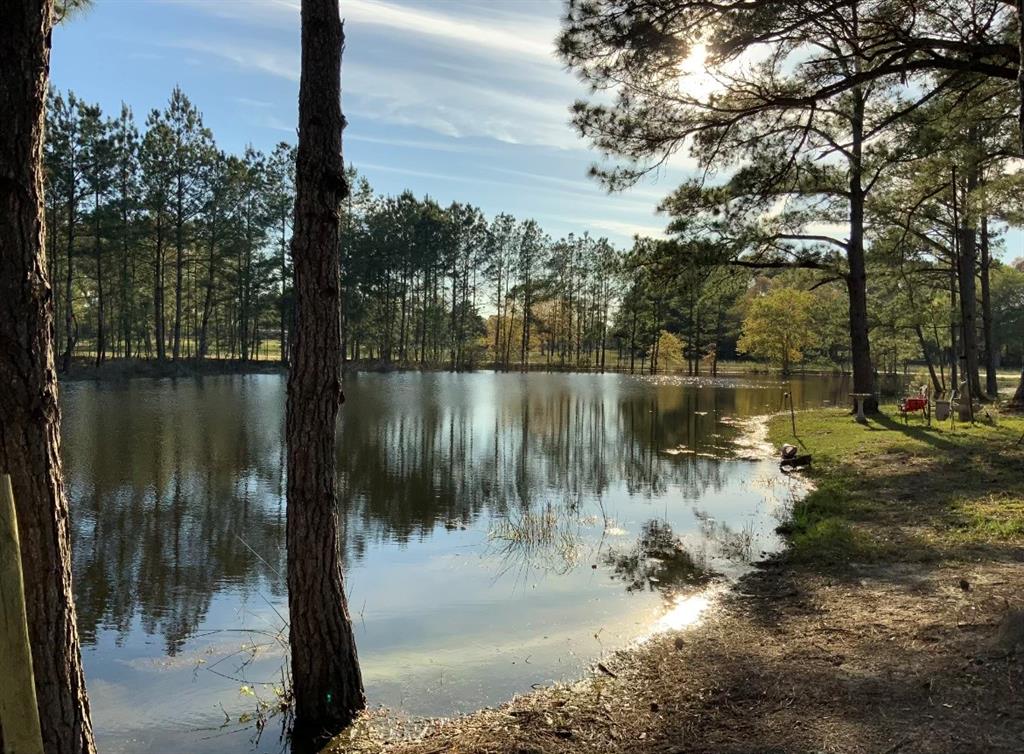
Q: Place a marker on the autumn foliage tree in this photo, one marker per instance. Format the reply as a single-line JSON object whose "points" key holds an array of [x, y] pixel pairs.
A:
{"points": [[778, 327]]}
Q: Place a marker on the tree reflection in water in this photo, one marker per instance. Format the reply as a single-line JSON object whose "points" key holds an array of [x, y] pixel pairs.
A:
{"points": [[177, 485], [658, 562]]}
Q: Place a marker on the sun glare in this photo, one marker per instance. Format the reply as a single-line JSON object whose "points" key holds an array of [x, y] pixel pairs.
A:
{"points": [[686, 611], [694, 78]]}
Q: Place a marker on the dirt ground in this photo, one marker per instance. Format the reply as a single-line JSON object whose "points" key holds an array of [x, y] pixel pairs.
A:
{"points": [[910, 640]]}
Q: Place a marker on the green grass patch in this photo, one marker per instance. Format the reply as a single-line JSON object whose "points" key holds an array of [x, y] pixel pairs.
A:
{"points": [[832, 541], [895, 491], [998, 518]]}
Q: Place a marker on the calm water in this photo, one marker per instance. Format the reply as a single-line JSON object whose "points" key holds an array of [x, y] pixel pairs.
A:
{"points": [[501, 531]]}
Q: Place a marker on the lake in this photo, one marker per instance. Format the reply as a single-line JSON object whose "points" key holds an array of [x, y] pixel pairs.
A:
{"points": [[500, 531]]}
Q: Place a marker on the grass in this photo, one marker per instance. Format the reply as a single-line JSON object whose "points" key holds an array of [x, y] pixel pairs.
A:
{"points": [[890, 491]]}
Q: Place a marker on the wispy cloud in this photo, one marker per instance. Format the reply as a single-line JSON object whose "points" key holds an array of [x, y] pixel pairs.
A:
{"points": [[527, 36], [621, 229], [418, 144], [534, 40], [412, 96]]}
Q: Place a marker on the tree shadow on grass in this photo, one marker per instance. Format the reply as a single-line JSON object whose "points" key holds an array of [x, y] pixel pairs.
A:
{"points": [[922, 433]]}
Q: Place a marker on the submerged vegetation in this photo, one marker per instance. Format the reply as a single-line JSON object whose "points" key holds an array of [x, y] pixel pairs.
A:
{"points": [[658, 561]]}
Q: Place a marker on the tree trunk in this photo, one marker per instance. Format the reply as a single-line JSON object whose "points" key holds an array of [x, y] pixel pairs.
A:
{"points": [[179, 264], [967, 265], [69, 311], [30, 429], [208, 297], [1020, 84], [632, 342], [127, 290], [1018, 396], [98, 254], [1017, 401], [497, 320], [991, 383], [401, 328], [524, 346], [158, 289], [284, 289], [927, 358], [856, 279], [328, 686]]}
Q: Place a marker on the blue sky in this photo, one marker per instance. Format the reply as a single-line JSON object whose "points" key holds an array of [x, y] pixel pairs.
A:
{"points": [[459, 99]]}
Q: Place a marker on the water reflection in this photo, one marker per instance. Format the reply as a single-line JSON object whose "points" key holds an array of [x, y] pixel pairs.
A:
{"points": [[485, 517], [658, 562]]}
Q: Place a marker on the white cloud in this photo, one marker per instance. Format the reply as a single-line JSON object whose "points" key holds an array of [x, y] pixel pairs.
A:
{"points": [[622, 229], [534, 40], [459, 108], [414, 97], [531, 37], [494, 75], [417, 144]]}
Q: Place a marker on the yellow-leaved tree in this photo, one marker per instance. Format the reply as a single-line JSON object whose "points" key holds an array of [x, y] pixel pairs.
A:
{"points": [[670, 350], [779, 328]]}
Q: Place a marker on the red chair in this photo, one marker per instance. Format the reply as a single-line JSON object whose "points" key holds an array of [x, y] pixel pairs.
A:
{"points": [[913, 404]]}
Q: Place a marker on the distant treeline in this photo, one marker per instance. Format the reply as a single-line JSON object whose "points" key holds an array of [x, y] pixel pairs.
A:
{"points": [[162, 246]]}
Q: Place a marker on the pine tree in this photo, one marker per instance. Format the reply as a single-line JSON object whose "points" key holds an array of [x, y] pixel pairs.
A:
{"points": [[30, 440]]}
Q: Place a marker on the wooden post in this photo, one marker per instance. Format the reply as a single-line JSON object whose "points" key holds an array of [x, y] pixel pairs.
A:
{"points": [[792, 411], [19, 717]]}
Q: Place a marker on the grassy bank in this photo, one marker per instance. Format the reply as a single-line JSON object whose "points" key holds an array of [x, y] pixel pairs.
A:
{"points": [[893, 622], [891, 491]]}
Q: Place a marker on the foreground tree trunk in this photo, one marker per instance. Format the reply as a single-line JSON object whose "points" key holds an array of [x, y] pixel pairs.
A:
{"points": [[326, 679], [29, 416]]}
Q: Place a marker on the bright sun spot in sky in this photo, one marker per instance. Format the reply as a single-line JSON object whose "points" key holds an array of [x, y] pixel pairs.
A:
{"points": [[694, 77]]}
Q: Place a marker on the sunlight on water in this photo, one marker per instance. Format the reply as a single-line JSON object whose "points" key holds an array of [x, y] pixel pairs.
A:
{"points": [[686, 611]]}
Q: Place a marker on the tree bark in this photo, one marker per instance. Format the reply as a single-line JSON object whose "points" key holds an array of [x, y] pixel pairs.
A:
{"points": [[1018, 396], [327, 682], [991, 365], [856, 279], [30, 426], [966, 267], [101, 345]]}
